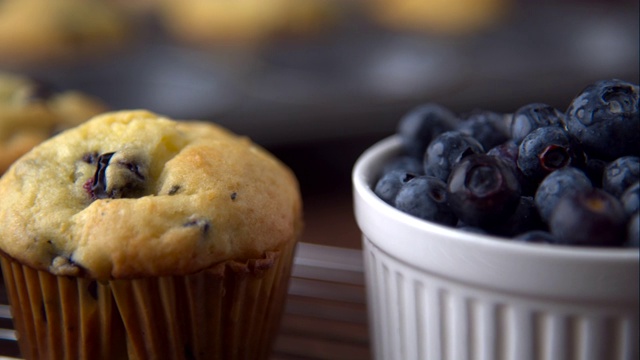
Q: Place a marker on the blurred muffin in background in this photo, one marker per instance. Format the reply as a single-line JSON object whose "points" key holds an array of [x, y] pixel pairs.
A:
{"points": [[244, 22], [41, 32], [136, 7], [447, 17], [31, 112]]}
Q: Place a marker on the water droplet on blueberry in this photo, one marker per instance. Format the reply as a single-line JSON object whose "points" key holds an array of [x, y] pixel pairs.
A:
{"points": [[446, 150], [483, 190], [605, 118], [620, 174], [425, 197], [390, 183]]}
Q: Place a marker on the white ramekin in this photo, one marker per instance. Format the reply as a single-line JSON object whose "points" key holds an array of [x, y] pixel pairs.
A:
{"points": [[438, 293]]}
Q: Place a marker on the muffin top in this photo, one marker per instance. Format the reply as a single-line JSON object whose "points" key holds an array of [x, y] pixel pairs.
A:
{"points": [[31, 111], [132, 194]]}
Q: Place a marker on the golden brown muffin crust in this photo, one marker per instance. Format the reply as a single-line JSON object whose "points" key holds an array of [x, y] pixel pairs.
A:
{"points": [[132, 194]]}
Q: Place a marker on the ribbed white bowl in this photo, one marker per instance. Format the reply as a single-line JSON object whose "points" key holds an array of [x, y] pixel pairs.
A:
{"points": [[437, 293]]}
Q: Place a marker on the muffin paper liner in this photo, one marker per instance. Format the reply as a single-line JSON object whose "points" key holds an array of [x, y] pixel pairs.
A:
{"points": [[229, 311]]}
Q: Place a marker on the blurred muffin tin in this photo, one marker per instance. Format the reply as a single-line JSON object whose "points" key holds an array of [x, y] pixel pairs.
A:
{"points": [[358, 78]]}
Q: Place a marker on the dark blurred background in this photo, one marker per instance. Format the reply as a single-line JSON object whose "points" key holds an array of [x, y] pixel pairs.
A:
{"points": [[318, 100]]}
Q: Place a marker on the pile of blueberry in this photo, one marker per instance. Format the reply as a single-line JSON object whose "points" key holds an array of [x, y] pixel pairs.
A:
{"points": [[537, 175]]}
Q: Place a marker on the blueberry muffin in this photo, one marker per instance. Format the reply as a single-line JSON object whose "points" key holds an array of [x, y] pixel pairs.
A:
{"points": [[206, 22], [31, 111], [437, 16], [136, 7], [132, 235], [38, 32]]}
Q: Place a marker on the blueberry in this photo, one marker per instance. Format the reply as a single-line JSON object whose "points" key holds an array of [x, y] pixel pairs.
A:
{"points": [[99, 186], [525, 218], [594, 169], [90, 157], [405, 163], [426, 197], [605, 118], [620, 174], [590, 217], [548, 176], [488, 127], [483, 190], [422, 124], [631, 199], [532, 116], [121, 174], [633, 231], [536, 236], [389, 184], [508, 151], [203, 224], [547, 149], [446, 150], [556, 185]]}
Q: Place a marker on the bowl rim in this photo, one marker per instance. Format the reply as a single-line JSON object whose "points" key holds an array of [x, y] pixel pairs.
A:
{"points": [[368, 167]]}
